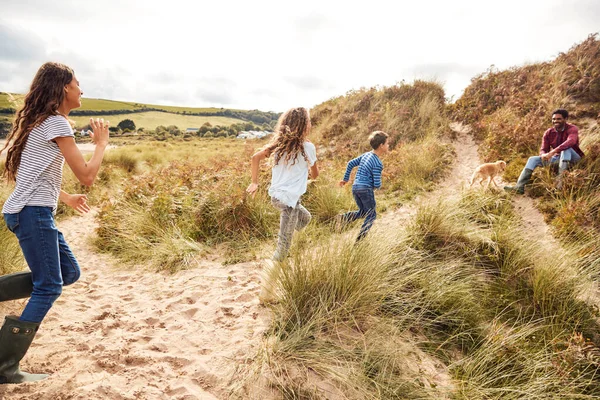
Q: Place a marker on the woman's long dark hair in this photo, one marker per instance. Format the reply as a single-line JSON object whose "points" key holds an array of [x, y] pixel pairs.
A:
{"points": [[291, 132], [45, 96]]}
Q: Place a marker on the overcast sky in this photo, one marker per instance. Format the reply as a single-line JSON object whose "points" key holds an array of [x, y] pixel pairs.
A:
{"points": [[273, 55]]}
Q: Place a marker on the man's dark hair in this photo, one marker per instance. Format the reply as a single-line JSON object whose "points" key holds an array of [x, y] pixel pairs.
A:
{"points": [[561, 111], [377, 138]]}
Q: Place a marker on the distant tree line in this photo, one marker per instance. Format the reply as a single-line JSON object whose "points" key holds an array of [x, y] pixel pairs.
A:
{"points": [[112, 112], [207, 130], [5, 127], [256, 116]]}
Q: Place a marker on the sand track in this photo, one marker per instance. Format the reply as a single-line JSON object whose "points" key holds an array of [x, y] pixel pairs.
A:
{"points": [[131, 334]]}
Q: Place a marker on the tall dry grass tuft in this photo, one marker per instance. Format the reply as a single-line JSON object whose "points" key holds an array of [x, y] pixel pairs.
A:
{"points": [[187, 205], [328, 337], [512, 362], [415, 167], [461, 289], [340, 281]]}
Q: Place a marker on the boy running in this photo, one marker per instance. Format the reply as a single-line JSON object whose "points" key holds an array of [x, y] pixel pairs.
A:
{"points": [[368, 178]]}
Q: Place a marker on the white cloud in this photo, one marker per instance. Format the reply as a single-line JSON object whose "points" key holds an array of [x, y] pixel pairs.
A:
{"points": [[273, 55]]}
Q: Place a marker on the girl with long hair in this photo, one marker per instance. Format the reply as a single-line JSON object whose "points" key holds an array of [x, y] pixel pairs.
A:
{"points": [[293, 156], [40, 142]]}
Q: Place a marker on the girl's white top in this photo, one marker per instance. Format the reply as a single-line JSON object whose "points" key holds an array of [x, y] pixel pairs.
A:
{"points": [[289, 180], [39, 175]]}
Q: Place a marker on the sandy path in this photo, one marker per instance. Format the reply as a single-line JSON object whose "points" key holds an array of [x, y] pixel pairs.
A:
{"points": [[131, 334], [467, 159]]}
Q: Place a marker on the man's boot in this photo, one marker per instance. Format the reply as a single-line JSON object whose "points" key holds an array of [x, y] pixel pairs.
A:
{"points": [[15, 286], [15, 338], [524, 179]]}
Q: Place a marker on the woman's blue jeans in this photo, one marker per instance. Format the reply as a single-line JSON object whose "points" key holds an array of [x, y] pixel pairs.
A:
{"points": [[365, 200], [568, 155], [48, 255]]}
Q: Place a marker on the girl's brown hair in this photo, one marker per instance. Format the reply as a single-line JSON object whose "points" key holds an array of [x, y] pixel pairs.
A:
{"points": [[45, 96], [291, 132]]}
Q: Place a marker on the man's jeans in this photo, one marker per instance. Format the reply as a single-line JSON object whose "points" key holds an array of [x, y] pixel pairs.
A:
{"points": [[365, 200], [292, 218], [49, 257], [566, 156]]}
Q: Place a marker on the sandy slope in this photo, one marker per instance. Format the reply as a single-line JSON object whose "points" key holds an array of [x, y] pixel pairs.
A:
{"points": [[129, 334]]}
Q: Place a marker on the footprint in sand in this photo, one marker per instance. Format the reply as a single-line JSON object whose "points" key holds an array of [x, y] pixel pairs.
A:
{"points": [[245, 297], [189, 313], [159, 347], [151, 321]]}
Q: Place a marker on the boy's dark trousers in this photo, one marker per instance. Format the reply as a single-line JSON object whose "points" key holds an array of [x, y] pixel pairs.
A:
{"points": [[364, 197]]}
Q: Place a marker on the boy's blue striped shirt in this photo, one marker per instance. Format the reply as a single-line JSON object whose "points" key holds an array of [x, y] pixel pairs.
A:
{"points": [[369, 170]]}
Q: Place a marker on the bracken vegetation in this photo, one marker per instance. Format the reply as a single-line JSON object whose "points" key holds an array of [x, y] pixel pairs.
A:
{"points": [[510, 110]]}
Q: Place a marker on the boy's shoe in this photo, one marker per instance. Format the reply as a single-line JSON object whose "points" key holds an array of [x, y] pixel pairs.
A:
{"points": [[268, 284]]}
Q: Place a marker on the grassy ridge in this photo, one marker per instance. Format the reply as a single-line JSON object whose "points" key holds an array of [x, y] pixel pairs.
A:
{"points": [[172, 115], [89, 104], [407, 112], [509, 110]]}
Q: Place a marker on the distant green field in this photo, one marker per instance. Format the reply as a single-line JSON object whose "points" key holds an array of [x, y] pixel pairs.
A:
{"points": [[147, 120], [189, 109], [108, 105], [100, 104], [6, 102], [152, 119]]}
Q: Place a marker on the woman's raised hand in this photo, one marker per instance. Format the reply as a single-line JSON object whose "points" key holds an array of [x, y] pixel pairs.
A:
{"points": [[100, 134]]}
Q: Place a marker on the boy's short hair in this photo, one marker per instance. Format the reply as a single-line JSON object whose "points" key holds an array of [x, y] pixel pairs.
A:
{"points": [[377, 138]]}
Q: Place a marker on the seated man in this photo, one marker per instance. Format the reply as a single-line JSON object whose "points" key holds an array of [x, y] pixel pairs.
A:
{"points": [[560, 145]]}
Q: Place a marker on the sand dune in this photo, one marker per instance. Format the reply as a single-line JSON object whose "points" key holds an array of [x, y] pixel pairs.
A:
{"points": [[133, 334]]}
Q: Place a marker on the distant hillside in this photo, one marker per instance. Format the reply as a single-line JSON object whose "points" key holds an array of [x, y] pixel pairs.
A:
{"points": [[509, 112], [407, 112], [9, 102]]}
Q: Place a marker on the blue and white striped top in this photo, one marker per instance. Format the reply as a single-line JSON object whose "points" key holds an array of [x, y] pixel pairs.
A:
{"points": [[369, 170], [39, 175]]}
